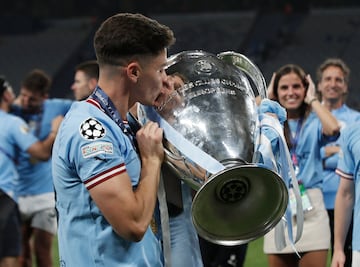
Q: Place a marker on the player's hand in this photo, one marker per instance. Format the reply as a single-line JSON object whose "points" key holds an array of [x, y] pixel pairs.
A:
{"points": [[311, 92], [149, 139], [270, 89]]}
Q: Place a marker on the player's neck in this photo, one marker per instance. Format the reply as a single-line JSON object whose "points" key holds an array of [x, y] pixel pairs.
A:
{"points": [[4, 106], [114, 88]]}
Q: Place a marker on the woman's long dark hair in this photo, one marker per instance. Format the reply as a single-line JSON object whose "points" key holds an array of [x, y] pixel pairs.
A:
{"points": [[304, 108]]}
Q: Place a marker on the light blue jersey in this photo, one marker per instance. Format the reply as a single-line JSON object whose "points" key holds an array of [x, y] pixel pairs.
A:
{"points": [[35, 176], [14, 138], [349, 168], [308, 152], [346, 116], [89, 149]]}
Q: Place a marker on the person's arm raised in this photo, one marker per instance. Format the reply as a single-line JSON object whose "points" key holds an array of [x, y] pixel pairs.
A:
{"points": [[329, 123]]}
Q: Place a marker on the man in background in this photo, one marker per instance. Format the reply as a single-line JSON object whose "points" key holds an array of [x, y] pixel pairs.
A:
{"points": [[35, 186], [86, 79], [333, 78]]}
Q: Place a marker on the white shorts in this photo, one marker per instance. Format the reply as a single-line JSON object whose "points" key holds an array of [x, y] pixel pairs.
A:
{"points": [[40, 211], [355, 258]]}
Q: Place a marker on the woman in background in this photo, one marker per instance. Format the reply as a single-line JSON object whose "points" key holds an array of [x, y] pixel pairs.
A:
{"points": [[308, 125]]}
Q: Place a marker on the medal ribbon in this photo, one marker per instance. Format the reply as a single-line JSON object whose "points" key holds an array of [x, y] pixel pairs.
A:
{"points": [[108, 107], [294, 141]]}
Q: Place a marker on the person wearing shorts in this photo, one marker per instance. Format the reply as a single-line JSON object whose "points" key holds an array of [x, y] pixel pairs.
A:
{"points": [[15, 137], [34, 184], [309, 125], [10, 233]]}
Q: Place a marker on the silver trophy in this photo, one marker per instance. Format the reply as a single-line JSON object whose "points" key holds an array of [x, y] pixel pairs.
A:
{"points": [[209, 121]]}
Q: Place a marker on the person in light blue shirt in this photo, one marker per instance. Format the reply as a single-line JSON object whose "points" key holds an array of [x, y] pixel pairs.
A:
{"points": [[308, 126], [85, 79], [348, 198], [333, 77], [97, 158], [34, 186], [15, 137], [105, 179]]}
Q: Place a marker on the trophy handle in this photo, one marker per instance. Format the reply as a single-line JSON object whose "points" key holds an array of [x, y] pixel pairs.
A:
{"points": [[244, 64]]}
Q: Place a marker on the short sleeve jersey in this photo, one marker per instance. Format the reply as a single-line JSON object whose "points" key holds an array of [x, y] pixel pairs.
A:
{"points": [[349, 168], [345, 116], [90, 148], [308, 152], [34, 175], [14, 137]]}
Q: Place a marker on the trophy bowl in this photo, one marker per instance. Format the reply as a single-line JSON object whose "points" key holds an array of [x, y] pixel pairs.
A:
{"points": [[209, 120]]}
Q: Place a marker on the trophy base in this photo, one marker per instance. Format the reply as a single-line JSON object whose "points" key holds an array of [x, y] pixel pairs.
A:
{"points": [[239, 204]]}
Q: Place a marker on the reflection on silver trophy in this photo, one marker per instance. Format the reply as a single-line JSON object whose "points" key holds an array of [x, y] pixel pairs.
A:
{"points": [[209, 122]]}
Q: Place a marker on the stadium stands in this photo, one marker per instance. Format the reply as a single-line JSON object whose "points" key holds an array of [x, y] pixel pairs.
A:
{"points": [[269, 39]]}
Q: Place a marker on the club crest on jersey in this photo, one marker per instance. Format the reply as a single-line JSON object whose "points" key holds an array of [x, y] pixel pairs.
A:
{"points": [[92, 129], [24, 128]]}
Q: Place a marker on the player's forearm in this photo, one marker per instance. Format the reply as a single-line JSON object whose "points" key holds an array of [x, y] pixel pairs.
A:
{"points": [[41, 150], [343, 211], [146, 191], [329, 123]]}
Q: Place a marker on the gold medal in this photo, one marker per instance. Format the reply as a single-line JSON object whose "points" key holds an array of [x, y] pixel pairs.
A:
{"points": [[154, 226]]}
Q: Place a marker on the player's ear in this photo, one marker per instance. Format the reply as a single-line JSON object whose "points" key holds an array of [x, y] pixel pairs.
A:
{"points": [[133, 70]]}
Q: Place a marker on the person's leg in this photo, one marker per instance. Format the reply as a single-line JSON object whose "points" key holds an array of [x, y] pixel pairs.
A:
{"points": [[231, 256], [9, 262], [26, 252], [331, 224], [208, 252], [44, 229], [10, 235], [43, 247], [316, 258], [283, 260], [240, 253]]}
